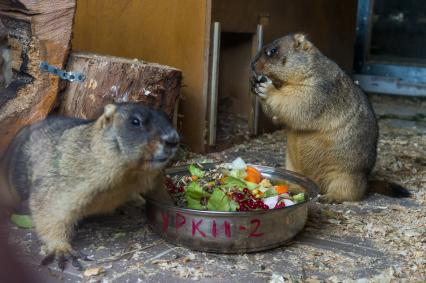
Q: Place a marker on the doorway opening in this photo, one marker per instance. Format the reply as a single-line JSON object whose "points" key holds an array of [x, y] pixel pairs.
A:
{"points": [[234, 100]]}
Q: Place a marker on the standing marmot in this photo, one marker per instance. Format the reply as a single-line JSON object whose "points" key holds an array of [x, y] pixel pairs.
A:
{"points": [[71, 168], [332, 129]]}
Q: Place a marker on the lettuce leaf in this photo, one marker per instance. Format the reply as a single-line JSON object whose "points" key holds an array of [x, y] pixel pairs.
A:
{"points": [[194, 170], [251, 186], [241, 174], [270, 193], [22, 221], [234, 182], [193, 195], [299, 197], [218, 201], [194, 204]]}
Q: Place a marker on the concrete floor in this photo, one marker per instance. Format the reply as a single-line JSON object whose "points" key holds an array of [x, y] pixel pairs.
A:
{"points": [[339, 241]]}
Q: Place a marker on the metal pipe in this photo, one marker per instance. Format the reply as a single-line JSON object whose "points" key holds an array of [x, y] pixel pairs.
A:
{"points": [[214, 83], [255, 100]]}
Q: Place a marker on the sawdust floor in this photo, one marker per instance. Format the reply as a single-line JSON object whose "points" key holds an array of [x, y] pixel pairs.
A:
{"points": [[378, 240]]}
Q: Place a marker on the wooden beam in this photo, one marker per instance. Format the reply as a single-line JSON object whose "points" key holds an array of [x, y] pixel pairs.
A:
{"points": [[114, 79], [34, 31]]}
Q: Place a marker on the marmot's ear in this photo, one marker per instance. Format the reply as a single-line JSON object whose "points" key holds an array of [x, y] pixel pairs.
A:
{"points": [[301, 42], [109, 111]]}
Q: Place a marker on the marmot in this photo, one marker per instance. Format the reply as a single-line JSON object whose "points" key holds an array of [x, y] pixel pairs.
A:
{"points": [[332, 129], [72, 168]]}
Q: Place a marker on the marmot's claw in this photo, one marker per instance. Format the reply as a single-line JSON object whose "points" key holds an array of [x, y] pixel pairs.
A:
{"points": [[76, 263], [62, 260], [262, 89], [48, 259], [63, 257], [327, 199], [82, 256]]}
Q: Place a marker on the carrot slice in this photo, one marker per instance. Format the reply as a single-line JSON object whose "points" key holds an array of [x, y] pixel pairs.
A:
{"points": [[281, 189], [253, 175]]}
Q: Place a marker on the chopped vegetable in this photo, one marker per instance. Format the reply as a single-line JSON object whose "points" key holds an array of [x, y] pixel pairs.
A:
{"points": [[194, 194], [238, 164], [265, 183], [229, 188], [22, 221], [194, 204], [234, 182], [219, 201], [299, 197], [253, 175], [281, 189], [271, 201], [196, 171], [251, 186], [238, 173], [288, 202]]}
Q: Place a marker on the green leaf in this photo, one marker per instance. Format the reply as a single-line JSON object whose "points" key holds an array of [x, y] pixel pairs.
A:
{"points": [[22, 221], [194, 204], [240, 174], [299, 197], [234, 182], [195, 191], [220, 202], [251, 186], [233, 205], [193, 195], [270, 193], [196, 171]]}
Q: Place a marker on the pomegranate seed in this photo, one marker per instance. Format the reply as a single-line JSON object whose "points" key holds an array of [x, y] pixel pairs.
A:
{"points": [[279, 205], [251, 203], [237, 196]]}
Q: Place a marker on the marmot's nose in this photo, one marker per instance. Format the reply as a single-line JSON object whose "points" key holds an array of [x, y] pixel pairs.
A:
{"points": [[171, 139]]}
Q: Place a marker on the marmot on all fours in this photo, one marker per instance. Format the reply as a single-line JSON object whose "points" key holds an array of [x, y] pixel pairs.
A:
{"points": [[71, 168], [332, 130]]}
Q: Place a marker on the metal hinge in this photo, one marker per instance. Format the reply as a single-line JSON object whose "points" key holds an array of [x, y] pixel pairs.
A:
{"points": [[69, 76]]}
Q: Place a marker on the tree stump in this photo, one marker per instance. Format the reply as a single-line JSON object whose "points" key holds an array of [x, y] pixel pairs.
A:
{"points": [[113, 79], [32, 31]]}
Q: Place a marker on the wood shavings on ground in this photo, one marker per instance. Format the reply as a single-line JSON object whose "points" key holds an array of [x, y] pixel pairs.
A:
{"points": [[379, 239]]}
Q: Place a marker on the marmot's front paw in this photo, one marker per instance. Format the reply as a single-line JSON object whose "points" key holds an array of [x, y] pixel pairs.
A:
{"points": [[63, 254], [262, 86], [328, 199]]}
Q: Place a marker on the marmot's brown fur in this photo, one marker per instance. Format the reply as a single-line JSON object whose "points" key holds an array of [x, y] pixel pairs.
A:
{"points": [[332, 129], [71, 168]]}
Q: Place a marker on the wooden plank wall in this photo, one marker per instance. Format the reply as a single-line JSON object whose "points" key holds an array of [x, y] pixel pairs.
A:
{"points": [[169, 32]]}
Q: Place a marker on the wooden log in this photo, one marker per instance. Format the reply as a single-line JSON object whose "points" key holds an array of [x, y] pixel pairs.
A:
{"points": [[113, 79], [33, 31]]}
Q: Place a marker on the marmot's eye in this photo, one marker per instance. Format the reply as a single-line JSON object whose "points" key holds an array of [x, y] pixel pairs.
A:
{"points": [[271, 52], [136, 122]]}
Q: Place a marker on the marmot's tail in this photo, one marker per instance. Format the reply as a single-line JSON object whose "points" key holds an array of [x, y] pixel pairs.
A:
{"points": [[388, 189]]}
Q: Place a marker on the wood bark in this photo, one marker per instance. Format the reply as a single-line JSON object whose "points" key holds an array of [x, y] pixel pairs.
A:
{"points": [[114, 79], [32, 31]]}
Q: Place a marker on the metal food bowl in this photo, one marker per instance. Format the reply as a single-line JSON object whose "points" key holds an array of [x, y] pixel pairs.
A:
{"points": [[232, 232]]}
